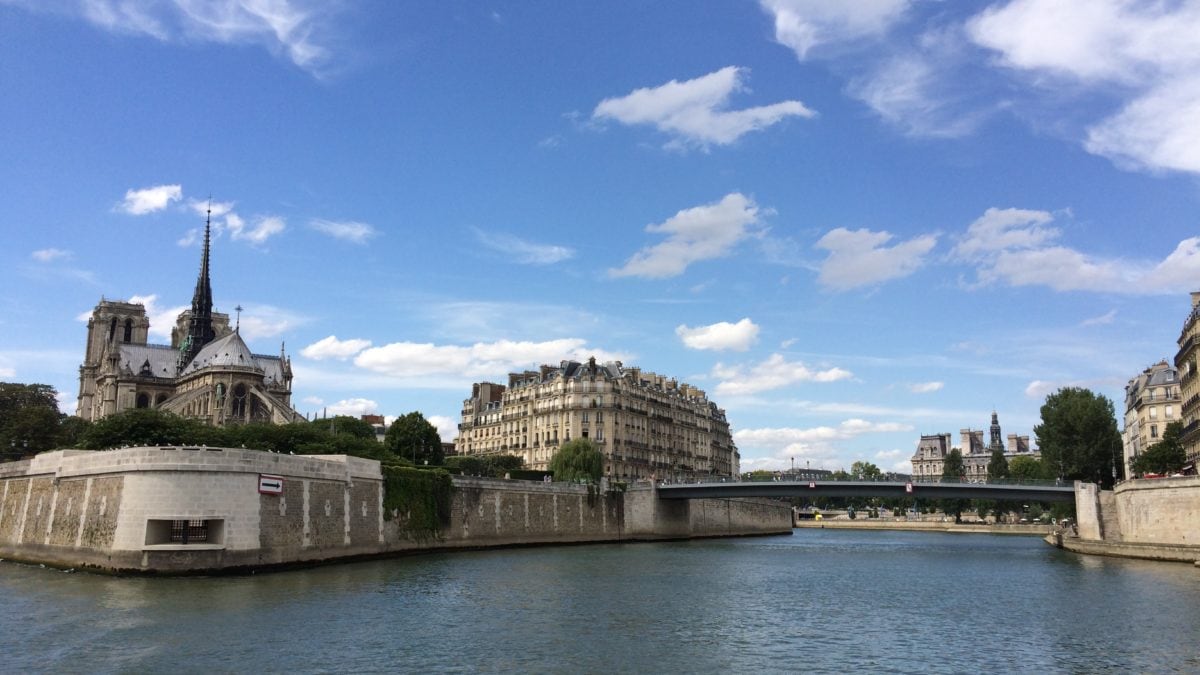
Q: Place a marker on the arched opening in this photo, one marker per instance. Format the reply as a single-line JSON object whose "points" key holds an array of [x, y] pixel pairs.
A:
{"points": [[112, 329], [162, 398], [143, 400], [128, 330], [238, 404]]}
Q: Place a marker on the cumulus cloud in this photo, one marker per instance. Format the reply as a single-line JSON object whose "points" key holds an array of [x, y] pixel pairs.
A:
{"points": [[861, 258], [720, 336], [333, 348], [926, 387], [266, 321], [447, 427], [347, 230], [1102, 320], [773, 373], [1018, 248], [353, 407], [297, 29], [47, 255], [483, 359], [524, 252], [695, 234], [1145, 53], [695, 112], [802, 25], [151, 199], [818, 445]]}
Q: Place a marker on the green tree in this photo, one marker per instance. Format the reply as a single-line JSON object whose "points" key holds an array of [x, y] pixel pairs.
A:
{"points": [[953, 470], [865, 471], [344, 424], [577, 461], [1078, 435], [1027, 468], [412, 437], [147, 426], [1165, 456], [494, 466], [29, 419], [997, 467]]}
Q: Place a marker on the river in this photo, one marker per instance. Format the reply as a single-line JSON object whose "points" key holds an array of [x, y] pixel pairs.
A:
{"points": [[817, 601]]}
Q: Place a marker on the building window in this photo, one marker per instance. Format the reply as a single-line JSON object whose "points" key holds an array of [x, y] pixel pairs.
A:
{"points": [[184, 531], [143, 400], [585, 417], [128, 330], [1153, 431], [1170, 412], [1154, 413]]}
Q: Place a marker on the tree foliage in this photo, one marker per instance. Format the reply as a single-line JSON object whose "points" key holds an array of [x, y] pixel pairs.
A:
{"points": [[953, 470], [30, 421], [997, 466], [865, 471], [147, 426], [1166, 456], [578, 460], [493, 466], [412, 437], [1028, 468], [345, 424], [1078, 435]]}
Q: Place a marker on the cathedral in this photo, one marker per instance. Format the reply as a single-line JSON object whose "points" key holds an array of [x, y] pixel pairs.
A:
{"points": [[206, 373]]}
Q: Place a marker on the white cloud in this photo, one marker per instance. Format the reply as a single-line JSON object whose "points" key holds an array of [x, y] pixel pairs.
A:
{"points": [[204, 208], [354, 407], [348, 230], [264, 228], [1016, 247], [860, 258], [1040, 389], [814, 446], [483, 359], [524, 252], [47, 255], [294, 28], [773, 373], [333, 348], [909, 92], [7, 372], [804, 24], [1145, 53], [1102, 320], [151, 199], [695, 234], [162, 319], [266, 321], [447, 427], [719, 336], [695, 111], [313, 400], [926, 387]]}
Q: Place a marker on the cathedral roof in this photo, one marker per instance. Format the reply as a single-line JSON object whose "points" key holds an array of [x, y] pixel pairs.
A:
{"points": [[159, 360], [223, 352]]}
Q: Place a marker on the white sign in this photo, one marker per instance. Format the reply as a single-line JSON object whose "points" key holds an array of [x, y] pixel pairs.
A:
{"points": [[270, 485], [812, 484], [908, 487]]}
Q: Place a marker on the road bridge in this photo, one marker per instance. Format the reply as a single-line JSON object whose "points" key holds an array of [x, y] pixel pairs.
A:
{"points": [[1035, 491]]}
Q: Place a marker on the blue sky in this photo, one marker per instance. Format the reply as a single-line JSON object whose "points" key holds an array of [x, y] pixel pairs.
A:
{"points": [[849, 223]]}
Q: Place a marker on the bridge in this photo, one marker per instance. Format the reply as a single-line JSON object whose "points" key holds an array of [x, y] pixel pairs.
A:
{"points": [[1007, 490]]}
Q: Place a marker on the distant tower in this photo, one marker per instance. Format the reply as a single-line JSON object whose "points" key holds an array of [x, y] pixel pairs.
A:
{"points": [[200, 325], [997, 441]]}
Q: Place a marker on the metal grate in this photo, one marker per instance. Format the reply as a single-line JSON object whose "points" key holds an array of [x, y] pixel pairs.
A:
{"points": [[189, 531]]}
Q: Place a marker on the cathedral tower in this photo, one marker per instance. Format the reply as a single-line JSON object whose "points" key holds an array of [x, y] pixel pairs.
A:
{"points": [[996, 440], [200, 323]]}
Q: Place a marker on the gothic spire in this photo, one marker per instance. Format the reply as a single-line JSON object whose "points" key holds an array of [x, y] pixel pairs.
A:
{"points": [[200, 328]]}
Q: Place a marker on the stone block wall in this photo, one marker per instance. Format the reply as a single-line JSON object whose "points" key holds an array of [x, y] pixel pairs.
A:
{"points": [[1159, 511]]}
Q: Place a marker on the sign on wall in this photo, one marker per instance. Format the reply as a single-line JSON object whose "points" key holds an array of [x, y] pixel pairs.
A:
{"points": [[270, 485]]}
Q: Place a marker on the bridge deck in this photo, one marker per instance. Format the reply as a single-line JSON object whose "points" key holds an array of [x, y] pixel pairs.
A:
{"points": [[830, 488]]}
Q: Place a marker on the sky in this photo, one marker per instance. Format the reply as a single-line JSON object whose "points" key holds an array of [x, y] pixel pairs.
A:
{"points": [[849, 223]]}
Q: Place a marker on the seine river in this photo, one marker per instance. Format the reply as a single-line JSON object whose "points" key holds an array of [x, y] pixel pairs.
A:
{"points": [[817, 601]]}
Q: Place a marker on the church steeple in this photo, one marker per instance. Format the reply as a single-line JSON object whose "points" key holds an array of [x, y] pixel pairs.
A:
{"points": [[997, 442], [200, 326]]}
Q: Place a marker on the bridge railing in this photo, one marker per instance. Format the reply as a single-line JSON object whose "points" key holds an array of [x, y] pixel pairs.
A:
{"points": [[918, 480]]}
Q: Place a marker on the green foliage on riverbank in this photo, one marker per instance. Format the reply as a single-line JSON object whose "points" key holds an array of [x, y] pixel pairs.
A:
{"points": [[418, 498]]}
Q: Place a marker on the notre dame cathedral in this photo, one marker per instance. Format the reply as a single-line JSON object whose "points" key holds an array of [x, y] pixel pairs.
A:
{"points": [[206, 373]]}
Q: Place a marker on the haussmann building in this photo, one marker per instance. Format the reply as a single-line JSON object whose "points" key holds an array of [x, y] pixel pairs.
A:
{"points": [[648, 426]]}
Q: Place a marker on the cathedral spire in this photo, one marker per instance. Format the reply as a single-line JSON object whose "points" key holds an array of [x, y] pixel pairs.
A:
{"points": [[200, 328]]}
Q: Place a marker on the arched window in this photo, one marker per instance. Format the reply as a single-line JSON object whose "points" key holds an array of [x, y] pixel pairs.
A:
{"points": [[112, 329], [160, 400], [238, 405], [143, 400], [128, 330]]}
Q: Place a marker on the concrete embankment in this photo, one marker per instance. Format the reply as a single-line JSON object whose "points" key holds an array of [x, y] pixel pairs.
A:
{"points": [[1151, 519], [193, 510], [923, 526]]}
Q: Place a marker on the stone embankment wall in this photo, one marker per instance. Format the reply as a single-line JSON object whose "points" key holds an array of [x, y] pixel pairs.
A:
{"points": [[1157, 519], [114, 511]]}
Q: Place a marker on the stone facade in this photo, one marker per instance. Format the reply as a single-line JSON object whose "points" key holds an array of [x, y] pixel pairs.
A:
{"points": [[1152, 401], [206, 373], [175, 510], [1186, 361], [930, 458], [647, 425]]}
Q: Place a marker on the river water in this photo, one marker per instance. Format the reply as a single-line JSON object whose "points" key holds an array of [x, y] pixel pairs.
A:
{"points": [[817, 601]]}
